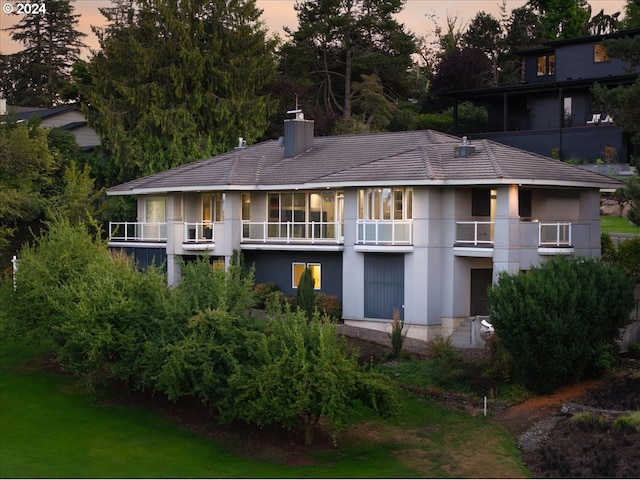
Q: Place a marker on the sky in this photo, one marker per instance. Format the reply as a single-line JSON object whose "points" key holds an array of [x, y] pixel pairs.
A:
{"points": [[416, 15]]}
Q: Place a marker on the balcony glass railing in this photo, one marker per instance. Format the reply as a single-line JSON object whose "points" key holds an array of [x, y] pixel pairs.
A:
{"points": [[137, 232], [292, 232], [474, 233], [554, 234], [198, 232], [385, 232]]}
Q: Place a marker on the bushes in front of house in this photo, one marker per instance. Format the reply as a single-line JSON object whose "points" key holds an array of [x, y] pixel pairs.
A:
{"points": [[111, 322], [560, 321]]}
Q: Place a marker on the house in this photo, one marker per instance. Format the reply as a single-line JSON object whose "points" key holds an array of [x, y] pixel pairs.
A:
{"points": [[552, 109], [417, 221], [66, 117]]}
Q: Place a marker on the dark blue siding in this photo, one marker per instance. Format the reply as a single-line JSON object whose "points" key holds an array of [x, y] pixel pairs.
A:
{"points": [[276, 267]]}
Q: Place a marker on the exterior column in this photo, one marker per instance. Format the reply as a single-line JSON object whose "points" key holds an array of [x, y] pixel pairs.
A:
{"points": [[506, 240], [175, 232], [352, 261]]}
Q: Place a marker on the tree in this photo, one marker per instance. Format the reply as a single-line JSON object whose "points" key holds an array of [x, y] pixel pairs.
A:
{"points": [[25, 170], [37, 74], [623, 102], [175, 82], [560, 321], [300, 374], [485, 33], [462, 70], [338, 41], [562, 18], [304, 299], [632, 14]]}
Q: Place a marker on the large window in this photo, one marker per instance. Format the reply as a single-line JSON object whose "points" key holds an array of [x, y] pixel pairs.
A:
{"points": [[600, 53], [155, 210], [385, 204], [212, 207], [298, 268], [304, 214], [546, 65]]}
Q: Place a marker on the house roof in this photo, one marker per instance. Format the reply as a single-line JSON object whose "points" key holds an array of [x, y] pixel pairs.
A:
{"points": [[423, 157], [45, 113]]}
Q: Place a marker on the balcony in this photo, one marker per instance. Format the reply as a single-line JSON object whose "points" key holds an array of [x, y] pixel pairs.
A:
{"points": [[137, 232], [384, 232], [307, 233], [474, 234], [554, 238]]}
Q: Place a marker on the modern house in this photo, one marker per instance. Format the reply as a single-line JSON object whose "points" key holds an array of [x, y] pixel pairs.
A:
{"points": [[552, 109], [416, 221]]}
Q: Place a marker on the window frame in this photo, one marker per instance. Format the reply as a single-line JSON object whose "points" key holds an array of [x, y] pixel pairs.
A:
{"points": [[546, 65], [384, 204], [317, 278]]}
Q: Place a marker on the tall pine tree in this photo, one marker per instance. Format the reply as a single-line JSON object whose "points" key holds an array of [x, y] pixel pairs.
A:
{"points": [[35, 76], [339, 41], [176, 81]]}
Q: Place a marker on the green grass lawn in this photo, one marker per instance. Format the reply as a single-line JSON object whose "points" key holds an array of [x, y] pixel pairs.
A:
{"points": [[617, 225], [48, 428]]}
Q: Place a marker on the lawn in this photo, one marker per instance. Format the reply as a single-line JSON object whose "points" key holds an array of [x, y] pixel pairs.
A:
{"points": [[48, 428], [617, 225]]}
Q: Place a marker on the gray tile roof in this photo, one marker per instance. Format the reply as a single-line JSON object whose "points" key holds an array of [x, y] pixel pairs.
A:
{"points": [[420, 157]]}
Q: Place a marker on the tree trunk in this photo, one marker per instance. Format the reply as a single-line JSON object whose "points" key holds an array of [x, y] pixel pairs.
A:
{"points": [[308, 434]]}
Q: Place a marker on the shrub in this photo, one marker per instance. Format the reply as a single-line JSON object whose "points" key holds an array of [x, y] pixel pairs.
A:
{"points": [[261, 293], [631, 422], [397, 335], [634, 350], [560, 322], [328, 306]]}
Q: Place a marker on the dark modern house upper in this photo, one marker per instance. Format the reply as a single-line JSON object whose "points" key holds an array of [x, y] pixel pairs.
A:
{"points": [[552, 110]]}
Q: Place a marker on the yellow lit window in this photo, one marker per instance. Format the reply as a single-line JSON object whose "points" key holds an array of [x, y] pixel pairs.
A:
{"points": [[600, 53], [298, 270]]}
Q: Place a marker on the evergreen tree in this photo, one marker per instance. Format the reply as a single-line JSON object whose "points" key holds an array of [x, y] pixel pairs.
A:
{"points": [[304, 298], [175, 82], [339, 41], [36, 75]]}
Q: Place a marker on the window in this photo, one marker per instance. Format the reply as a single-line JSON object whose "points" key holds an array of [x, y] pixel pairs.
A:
{"points": [[155, 210], [313, 214], [524, 203], [212, 207], [481, 202], [385, 204], [246, 206], [600, 53], [567, 112], [298, 269], [546, 65]]}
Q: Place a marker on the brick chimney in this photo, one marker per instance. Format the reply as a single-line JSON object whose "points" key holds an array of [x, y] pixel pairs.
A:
{"points": [[298, 134]]}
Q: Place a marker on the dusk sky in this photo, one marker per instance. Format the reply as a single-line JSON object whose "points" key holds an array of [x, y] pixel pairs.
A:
{"points": [[416, 15]]}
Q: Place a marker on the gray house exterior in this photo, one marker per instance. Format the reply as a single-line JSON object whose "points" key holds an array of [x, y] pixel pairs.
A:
{"points": [[416, 221], [552, 109]]}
